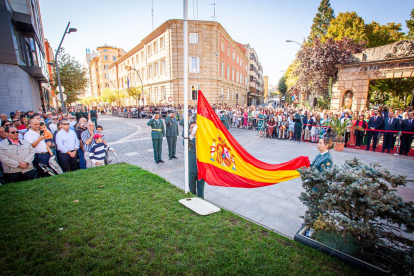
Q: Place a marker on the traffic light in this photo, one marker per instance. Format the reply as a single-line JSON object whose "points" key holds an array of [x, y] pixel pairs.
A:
{"points": [[193, 93]]}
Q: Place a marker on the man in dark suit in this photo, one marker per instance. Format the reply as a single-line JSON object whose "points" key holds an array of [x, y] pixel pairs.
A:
{"points": [[374, 123], [390, 124], [407, 125]]}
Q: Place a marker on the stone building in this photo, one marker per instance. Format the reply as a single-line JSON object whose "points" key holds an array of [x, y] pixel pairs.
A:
{"points": [[23, 74], [217, 65], [99, 68]]}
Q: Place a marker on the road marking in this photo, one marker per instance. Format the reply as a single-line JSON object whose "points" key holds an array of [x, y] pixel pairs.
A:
{"points": [[139, 129], [128, 141], [131, 153]]}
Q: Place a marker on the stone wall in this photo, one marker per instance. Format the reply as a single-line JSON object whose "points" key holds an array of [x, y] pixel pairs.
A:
{"points": [[18, 90]]}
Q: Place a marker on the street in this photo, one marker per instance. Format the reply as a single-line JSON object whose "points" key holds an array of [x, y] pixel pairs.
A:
{"points": [[276, 207]]}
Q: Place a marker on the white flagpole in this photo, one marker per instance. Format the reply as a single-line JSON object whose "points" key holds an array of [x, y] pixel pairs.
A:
{"points": [[185, 53]]}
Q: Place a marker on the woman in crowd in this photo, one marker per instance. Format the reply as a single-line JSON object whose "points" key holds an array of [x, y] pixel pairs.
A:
{"points": [[307, 127], [348, 123], [352, 138], [245, 119], [271, 127], [261, 122], [291, 126], [283, 126], [360, 125]]}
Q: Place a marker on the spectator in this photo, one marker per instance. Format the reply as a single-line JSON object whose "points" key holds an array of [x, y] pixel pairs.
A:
{"points": [[3, 117], [97, 154], [99, 129], [407, 125], [81, 128], [88, 141], [16, 156], [53, 125], [67, 146], [5, 123], [72, 122], [93, 115], [2, 134], [48, 116], [49, 139], [36, 138]]}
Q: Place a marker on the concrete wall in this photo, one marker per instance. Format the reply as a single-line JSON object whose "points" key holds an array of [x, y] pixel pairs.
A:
{"points": [[18, 90]]}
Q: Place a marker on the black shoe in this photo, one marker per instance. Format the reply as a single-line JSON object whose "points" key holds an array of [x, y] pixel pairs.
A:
{"points": [[161, 161], [169, 158], [383, 151], [373, 149], [406, 154], [367, 149], [157, 162], [175, 157], [388, 151]]}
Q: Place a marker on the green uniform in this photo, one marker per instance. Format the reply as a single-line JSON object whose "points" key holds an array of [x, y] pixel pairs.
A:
{"points": [[157, 133], [225, 120], [172, 133], [324, 159], [94, 117], [196, 186]]}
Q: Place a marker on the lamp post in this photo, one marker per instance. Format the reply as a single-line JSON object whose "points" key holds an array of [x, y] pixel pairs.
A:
{"points": [[142, 85], [67, 31], [294, 42]]}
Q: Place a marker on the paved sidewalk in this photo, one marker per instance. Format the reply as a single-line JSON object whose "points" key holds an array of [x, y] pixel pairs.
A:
{"points": [[276, 207]]}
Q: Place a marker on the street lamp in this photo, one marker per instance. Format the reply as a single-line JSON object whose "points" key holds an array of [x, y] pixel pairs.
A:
{"points": [[294, 42], [67, 31], [139, 76]]}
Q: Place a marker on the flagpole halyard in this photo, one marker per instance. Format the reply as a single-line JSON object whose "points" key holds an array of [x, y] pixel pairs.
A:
{"points": [[185, 53]]}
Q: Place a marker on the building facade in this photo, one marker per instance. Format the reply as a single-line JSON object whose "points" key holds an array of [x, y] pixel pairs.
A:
{"points": [[23, 71], [217, 66], [99, 68], [87, 65], [266, 87]]}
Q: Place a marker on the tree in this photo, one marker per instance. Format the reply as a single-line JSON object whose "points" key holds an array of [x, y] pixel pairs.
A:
{"points": [[392, 92], [410, 25], [72, 76], [378, 35], [316, 68], [349, 25], [322, 21], [108, 96], [134, 92], [282, 85]]}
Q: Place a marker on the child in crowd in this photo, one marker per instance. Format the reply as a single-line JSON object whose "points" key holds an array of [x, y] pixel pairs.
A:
{"points": [[315, 132], [97, 154], [99, 129], [234, 118]]}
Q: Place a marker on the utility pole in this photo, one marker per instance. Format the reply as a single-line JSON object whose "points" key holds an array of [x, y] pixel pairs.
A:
{"points": [[214, 11]]}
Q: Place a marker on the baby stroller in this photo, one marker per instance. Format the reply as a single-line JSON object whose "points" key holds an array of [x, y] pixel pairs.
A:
{"points": [[110, 157], [52, 168]]}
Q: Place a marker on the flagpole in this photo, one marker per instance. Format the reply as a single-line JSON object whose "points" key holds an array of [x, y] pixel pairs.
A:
{"points": [[185, 53]]}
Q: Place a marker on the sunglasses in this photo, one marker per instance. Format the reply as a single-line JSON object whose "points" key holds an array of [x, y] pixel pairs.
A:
{"points": [[15, 121], [64, 124], [7, 125], [54, 118], [13, 132]]}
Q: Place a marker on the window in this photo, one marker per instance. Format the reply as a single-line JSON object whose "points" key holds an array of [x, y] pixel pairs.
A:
{"points": [[194, 65], [163, 72], [228, 50], [228, 71], [162, 42], [156, 94], [106, 84], [234, 54], [106, 76], [114, 58], [105, 57], [237, 76], [222, 46], [149, 51], [222, 68], [133, 61], [164, 95], [156, 69], [149, 71], [237, 59], [142, 73], [105, 50], [137, 58], [241, 63], [228, 94], [105, 67], [155, 46], [193, 38], [232, 74], [142, 55]]}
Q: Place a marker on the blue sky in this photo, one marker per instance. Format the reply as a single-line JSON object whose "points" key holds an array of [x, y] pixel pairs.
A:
{"points": [[266, 25]]}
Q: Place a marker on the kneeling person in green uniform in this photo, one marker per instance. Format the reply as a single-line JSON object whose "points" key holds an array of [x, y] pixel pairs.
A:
{"points": [[171, 124], [157, 134], [324, 159], [196, 186]]}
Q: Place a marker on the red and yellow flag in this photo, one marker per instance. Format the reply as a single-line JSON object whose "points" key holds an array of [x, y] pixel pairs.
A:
{"points": [[222, 161]]}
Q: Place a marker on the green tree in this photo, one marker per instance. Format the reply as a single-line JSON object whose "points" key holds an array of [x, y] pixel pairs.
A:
{"points": [[73, 76], [282, 85], [108, 96], [347, 24], [410, 25], [322, 21], [378, 35], [394, 93], [135, 93]]}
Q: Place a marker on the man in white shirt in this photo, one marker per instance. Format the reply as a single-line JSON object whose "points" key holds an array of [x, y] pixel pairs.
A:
{"points": [[37, 140], [67, 145], [53, 125]]}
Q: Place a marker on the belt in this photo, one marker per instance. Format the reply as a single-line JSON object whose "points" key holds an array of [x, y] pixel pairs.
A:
{"points": [[42, 152], [157, 129]]}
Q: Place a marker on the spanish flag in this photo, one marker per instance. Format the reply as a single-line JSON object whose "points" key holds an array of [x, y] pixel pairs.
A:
{"points": [[222, 161]]}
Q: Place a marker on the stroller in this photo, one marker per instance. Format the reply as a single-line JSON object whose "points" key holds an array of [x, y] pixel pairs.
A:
{"points": [[52, 168]]}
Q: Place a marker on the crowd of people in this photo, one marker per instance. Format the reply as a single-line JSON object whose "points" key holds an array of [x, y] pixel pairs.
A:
{"points": [[31, 143]]}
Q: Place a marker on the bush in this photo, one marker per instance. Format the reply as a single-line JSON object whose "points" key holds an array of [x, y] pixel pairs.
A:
{"points": [[359, 199]]}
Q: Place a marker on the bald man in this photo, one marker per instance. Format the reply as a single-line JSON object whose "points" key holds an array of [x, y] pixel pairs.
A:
{"points": [[42, 150]]}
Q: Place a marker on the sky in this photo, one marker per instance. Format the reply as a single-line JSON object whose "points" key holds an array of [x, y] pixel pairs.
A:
{"points": [[264, 24]]}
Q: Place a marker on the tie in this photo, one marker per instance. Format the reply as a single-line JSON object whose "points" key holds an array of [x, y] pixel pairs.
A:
{"points": [[389, 121]]}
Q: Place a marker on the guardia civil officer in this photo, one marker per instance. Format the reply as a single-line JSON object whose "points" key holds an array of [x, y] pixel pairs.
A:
{"points": [[298, 125], [157, 134], [324, 159], [171, 124], [196, 186], [224, 119]]}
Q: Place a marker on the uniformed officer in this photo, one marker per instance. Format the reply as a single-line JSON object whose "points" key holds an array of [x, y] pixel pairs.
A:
{"points": [[171, 124], [196, 186], [298, 124], [93, 116], [224, 119], [157, 134], [323, 158]]}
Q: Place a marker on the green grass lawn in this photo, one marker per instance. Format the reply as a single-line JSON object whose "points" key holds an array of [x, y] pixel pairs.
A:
{"points": [[135, 225]]}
